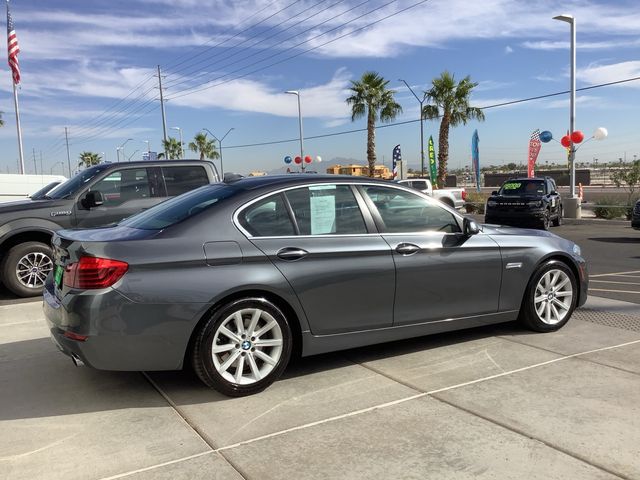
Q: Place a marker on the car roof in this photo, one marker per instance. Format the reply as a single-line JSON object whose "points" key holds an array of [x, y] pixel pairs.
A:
{"points": [[108, 165], [251, 183], [525, 179]]}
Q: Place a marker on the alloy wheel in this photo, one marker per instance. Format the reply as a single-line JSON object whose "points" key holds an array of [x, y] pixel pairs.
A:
{"points": [[247, 346], [32, 269], [553, 297]]}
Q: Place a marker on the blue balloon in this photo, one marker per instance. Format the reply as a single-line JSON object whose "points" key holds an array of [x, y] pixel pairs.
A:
{"points": [[546, 136], [288, 159]]}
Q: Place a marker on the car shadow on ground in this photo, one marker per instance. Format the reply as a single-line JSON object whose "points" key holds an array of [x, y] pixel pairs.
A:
{"points": [[39, 381], [616, 239]]}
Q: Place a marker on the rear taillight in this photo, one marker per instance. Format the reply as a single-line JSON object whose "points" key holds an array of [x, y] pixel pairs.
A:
{"points": [[94, 272], [464, 194]]}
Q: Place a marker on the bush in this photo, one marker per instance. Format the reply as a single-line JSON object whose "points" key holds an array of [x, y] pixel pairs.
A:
{"points": [[476, 202], [609, 208]]}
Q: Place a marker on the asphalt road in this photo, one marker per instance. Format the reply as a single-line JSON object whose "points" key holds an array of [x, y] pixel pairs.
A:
{"points": [[612, 250]]}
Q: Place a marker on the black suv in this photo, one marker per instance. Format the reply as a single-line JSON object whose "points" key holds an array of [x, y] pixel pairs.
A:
{"points": [[530, 202], [635, 216], [98, 196]]}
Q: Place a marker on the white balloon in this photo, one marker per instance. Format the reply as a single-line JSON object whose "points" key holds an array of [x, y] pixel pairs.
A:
{"points": [[600, 133], [318, 158]]}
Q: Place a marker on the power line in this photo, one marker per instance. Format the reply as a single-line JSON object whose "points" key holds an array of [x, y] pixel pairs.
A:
{"points": [[395, 124], [192, 90], [261, 40]]}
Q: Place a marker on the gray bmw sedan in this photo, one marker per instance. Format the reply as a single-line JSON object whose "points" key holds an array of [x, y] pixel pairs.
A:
{"points": [[234, 277]]}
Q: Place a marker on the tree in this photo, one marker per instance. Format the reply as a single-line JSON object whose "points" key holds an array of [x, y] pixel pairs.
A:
{"points": [[371, 98], [205, 147], [449, 100], [629, 180], [89, 159], [1, 119], [172, 148]]}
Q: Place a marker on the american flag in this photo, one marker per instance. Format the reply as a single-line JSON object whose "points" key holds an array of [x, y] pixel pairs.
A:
{"points": [[397, 156], [13, 48]]}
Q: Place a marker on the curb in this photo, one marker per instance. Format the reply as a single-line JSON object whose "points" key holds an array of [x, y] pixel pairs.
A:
{"points": [[595, 221]]}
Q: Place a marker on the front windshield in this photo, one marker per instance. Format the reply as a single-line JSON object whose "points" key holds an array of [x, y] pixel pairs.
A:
{"points": [[73, 185], [180, 208], [522, 187]]}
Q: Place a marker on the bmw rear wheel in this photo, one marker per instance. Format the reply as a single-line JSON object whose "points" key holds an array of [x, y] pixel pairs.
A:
{"points": [[243, 348], [551, 297]]}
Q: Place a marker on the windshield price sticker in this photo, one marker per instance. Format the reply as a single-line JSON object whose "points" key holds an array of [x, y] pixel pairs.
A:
{"points": [[512, 186]]}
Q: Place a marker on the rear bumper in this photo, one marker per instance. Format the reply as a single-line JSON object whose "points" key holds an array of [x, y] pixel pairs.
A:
{"points": [[121, 335]]}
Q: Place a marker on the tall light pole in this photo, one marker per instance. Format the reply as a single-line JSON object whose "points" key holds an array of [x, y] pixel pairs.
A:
{"points": [[219, 143], [121, 147], [297, 94], [421, 102], [574, 202], [181, 144]]}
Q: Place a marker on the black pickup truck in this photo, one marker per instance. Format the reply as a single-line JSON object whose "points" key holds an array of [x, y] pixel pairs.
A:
{"points": [[525, 202], [100, 195]]}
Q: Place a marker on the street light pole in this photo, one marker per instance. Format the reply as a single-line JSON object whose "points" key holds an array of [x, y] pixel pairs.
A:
{"points": [[573, 204], [181, 143], [219, 143], [421, 102], [121, 147], [297, 94]]}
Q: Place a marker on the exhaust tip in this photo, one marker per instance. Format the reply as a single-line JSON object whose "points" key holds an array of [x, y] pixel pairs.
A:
{"points": [[76, 360]]}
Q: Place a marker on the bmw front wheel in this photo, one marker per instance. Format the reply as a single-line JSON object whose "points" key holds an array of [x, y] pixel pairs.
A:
{"points": [[550, 298], [243, 348]]}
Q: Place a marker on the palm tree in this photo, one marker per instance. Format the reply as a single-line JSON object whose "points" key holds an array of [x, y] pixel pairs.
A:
{"points": [[1, 119], [449, 100], [89, 159], [204, 146], [172, 148], [371, 97]]}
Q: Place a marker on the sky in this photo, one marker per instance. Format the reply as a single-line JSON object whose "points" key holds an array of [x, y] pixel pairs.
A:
{"points": [[90, 66]]}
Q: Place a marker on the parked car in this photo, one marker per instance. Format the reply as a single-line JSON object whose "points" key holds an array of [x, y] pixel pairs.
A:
{"points": [[635, 216], [533, 202], [454, 197], [42, 193], [99, 195], [15, 186], [234, 277]]}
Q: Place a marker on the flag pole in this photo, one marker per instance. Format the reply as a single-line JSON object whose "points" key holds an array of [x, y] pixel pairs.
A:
{"points": [[19, 128]]}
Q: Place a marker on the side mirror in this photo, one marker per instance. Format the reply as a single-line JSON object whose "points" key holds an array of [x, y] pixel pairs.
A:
{"points": [[470, 227], [92, 200], [495, 192]]}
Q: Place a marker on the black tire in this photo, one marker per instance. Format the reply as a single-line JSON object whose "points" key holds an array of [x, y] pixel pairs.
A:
{"points": [[546, 221], [528, 315], [202, 357], [558, 220], [10, 265], [447, 201]]}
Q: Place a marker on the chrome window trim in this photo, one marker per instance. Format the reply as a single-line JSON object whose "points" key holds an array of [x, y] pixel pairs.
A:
{"points": [[395, 186]]}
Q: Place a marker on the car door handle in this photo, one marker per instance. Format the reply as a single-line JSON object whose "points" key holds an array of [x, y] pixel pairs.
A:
{"points": [[407, 248], [291, 253]]}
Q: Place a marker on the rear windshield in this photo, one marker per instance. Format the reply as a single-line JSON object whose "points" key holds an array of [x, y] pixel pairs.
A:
{"points": [[522, 187], [180, 208]]}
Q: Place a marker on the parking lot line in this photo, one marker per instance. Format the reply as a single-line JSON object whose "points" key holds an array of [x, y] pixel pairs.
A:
{"points": [[611, 291], [364, 410], [420, 395], [612, 281], [614, 274]]}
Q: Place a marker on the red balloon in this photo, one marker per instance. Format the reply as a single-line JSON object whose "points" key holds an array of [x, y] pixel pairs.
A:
{"points": [[577, 136], [298, 160], [565, 141], [307, 159]]}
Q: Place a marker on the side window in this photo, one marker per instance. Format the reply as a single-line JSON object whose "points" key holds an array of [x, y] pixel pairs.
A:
{"points": [[326, 209], [156, 182], [404, 212], [123, 186], [267, 218], [419, 184], [184, 179]]}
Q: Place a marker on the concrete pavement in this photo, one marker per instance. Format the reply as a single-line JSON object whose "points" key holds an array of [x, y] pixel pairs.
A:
{"points": [[497, 402]]}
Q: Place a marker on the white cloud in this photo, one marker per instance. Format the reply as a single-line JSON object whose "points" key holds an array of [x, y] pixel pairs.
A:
{"points": [[508, 50], [595, 74], [321, 101], [562, 45]]}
